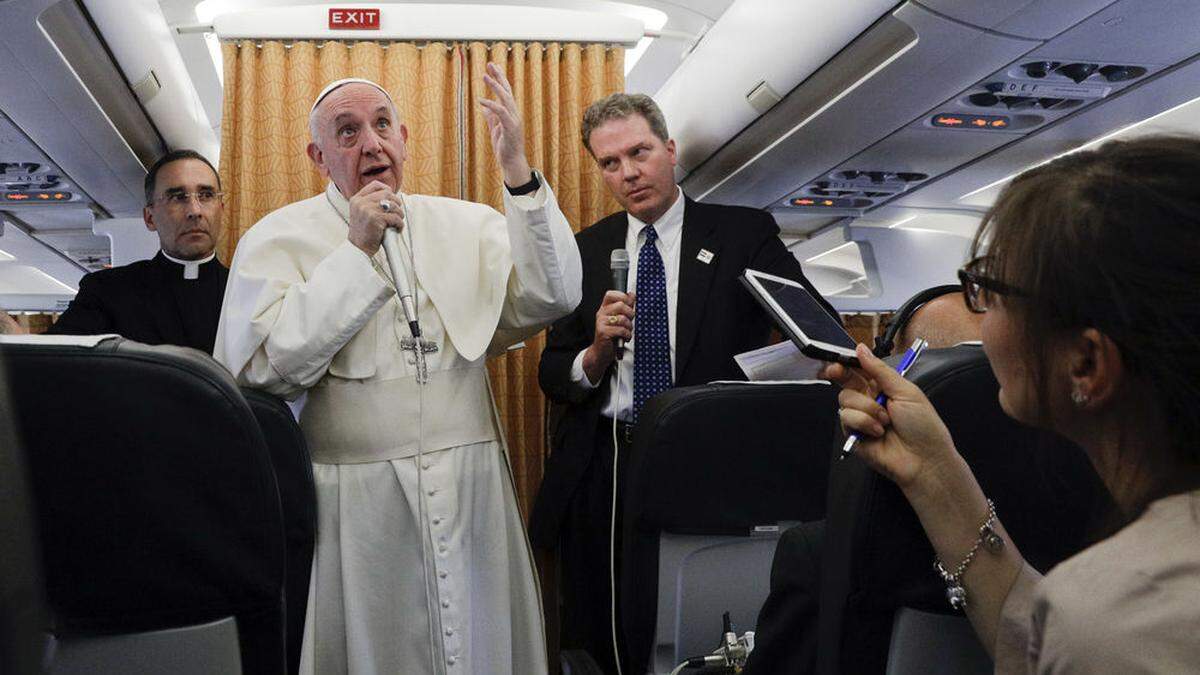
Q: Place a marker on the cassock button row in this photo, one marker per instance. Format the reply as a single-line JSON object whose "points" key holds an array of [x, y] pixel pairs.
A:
{"points": [[449, 632], [442, 548], [445, 604], [432, 492], [437, 521], [451, 660], [442, 574], [425, 466]]}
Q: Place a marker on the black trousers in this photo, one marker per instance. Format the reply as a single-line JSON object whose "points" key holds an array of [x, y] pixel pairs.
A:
{"points": [[786, 637], [584, 580]]}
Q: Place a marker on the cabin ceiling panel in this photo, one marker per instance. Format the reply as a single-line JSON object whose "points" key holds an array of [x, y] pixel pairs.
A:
{"points": [[755, 43], [1040, 19], [48, 102], [1131, 31], [903, 63], [1165, 96]]}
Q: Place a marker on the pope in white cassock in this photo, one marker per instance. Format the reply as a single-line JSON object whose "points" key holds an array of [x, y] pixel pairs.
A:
{"points": [[311, 314]]}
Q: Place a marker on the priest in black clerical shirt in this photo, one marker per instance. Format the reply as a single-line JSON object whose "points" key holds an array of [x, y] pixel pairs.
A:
{"points": [[175, 297]]}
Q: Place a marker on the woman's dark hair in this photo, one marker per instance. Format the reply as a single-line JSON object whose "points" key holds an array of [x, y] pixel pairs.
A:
{"points": [[1110, 239]]}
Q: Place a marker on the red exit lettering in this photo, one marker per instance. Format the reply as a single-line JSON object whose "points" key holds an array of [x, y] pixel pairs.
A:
{"points": [[343, 18]]}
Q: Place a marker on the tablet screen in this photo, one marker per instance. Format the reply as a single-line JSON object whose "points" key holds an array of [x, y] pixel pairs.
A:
{"points": [[809, 316]]}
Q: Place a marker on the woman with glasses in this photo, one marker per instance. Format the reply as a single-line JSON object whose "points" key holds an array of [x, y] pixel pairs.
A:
{"points": [[1089, 279]]}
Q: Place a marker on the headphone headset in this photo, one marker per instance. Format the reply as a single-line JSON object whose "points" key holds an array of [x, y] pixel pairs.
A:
{"points": [[883, 343]]}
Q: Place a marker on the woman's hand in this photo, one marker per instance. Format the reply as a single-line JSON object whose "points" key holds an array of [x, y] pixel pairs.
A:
{"points": [[907, 441]]}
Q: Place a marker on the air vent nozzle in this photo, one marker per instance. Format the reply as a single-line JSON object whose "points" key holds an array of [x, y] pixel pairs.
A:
{"points": [[1121, 73], [1040, 69], [1078, 72], [855, 188]]}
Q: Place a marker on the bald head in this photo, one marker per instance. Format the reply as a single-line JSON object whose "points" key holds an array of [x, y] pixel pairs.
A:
{"points": [[943, 321]]}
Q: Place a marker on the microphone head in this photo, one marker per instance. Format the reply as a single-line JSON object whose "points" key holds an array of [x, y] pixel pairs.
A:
{"points": [[619, 259]]}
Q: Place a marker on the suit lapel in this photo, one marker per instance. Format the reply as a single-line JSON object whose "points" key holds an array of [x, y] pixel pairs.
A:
{"points": [[695, 278], [611, 235]]}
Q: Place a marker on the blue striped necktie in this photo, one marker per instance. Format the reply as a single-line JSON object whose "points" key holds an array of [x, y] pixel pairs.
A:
{"points": [[651, 335]]}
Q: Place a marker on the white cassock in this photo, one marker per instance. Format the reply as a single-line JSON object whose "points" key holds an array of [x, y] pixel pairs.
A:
{"points": [[306, 312]]}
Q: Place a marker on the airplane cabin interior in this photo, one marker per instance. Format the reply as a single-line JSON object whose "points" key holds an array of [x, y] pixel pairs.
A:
{"points": [[159, 507]]}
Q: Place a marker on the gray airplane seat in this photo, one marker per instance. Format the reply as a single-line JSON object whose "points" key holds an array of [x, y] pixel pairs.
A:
{"points": [[876, 560], [156, 505], [298, 497], [714, 470]]}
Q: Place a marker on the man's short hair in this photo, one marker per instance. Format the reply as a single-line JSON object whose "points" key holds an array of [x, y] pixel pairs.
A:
{"points": [[619, 106], [174, 156]]}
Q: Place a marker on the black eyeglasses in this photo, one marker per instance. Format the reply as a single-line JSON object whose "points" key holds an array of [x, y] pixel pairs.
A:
{"points": [[977, 287]]}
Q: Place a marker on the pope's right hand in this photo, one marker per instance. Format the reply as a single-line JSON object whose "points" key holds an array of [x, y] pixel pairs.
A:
{"points": [[368, 218], [614, 320]]}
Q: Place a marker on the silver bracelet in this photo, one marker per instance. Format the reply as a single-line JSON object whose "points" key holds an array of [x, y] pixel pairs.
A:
{"points": [[955, 593]]}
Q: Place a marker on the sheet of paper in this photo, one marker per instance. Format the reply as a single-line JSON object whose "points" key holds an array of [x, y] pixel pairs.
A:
{"points": [[782, 361]]}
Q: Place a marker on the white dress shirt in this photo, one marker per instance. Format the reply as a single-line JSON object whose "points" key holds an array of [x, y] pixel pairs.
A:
{"points": [[670, 232]]}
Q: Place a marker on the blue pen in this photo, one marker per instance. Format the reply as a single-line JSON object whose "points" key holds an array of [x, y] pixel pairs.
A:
{"points": [[910, 357]]}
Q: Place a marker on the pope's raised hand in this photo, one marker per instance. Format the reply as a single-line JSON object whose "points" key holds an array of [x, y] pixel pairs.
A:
{"points": [[504, 125]]}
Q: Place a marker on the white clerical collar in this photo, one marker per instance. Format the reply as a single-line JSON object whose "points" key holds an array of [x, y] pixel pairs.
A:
{"points": [[667, 227], [191, 268]]}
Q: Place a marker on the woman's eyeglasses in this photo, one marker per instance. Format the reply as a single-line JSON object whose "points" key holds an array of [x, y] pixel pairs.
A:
{"points": [[978, 288]]}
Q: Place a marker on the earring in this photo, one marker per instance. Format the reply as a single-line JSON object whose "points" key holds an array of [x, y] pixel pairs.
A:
{"points": [[1079, 398]]}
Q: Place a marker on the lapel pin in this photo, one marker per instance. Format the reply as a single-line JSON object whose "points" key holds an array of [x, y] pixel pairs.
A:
{"points": [[705, 256]]}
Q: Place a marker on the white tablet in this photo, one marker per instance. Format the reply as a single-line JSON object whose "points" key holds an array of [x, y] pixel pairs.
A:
{"points": [[801, 317]]}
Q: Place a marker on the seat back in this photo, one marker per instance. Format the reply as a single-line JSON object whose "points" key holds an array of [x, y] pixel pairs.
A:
{"points": [[710, 467], [298, 497], [925, 643], [696, 588], [1045, 490], [153, 491], [22, 602], [192, 650]]}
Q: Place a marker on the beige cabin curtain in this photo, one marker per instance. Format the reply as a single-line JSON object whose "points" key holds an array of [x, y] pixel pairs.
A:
{"points": [[269, 87], [553, 84]]}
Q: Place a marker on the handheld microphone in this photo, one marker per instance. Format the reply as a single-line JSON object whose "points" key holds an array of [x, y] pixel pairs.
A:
{"points": [[395, 259], [618, 263]]}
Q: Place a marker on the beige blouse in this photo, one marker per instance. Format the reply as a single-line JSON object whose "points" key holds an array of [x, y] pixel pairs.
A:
{"points": [[1130, 604]]}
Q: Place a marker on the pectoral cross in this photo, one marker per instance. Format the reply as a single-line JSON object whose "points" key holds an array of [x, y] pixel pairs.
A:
{"points": [[409, 344]]}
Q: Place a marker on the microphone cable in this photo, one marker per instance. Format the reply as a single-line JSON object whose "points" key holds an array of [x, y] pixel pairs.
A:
{"points": [[612, 530], [422, 377]]}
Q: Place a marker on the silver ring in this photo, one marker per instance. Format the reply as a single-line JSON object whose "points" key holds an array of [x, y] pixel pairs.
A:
{"points": [[385, 205]]}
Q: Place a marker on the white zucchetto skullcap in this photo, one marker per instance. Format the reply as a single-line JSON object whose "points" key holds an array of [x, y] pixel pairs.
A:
{"points": [[340, 83]]}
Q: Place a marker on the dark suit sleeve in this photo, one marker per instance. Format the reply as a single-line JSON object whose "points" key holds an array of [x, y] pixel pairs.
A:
{"points": [[567, 337], [773, 257], [87, 314]]}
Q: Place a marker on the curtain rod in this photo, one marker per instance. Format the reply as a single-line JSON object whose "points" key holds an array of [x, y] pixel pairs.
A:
{"points": [[384, 44], [188, 29]]}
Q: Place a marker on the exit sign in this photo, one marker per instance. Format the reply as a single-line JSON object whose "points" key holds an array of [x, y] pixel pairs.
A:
{"points": [[344, 18]]}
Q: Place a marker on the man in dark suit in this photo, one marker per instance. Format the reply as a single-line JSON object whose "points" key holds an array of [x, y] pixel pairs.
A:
{"points": [[175, 297], [693, 317]]}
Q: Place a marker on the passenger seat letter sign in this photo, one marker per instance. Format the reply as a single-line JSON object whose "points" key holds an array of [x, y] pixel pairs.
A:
{"points": [[353, 18]]}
